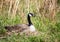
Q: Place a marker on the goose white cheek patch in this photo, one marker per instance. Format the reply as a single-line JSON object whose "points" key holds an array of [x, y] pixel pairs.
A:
{"points": [[30, 15], [32, 28]]}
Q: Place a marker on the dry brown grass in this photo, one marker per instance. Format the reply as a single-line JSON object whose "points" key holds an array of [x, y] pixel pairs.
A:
{"points": [[46, 8]]}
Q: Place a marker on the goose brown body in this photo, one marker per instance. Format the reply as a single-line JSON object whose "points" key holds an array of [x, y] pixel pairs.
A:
{"points": [[18, 27]]}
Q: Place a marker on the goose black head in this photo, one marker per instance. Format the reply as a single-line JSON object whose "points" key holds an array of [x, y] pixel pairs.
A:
{"points": [[28, 18], [31, 14]]}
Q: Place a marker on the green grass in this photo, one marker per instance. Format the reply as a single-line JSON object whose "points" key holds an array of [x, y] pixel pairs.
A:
{"points": [[50, 31]]}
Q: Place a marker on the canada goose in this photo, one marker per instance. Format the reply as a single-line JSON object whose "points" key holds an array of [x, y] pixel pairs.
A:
{"points": [[22, 27]]}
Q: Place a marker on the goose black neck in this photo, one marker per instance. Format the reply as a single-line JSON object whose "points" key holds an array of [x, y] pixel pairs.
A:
{"points": [[29, 20]]}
